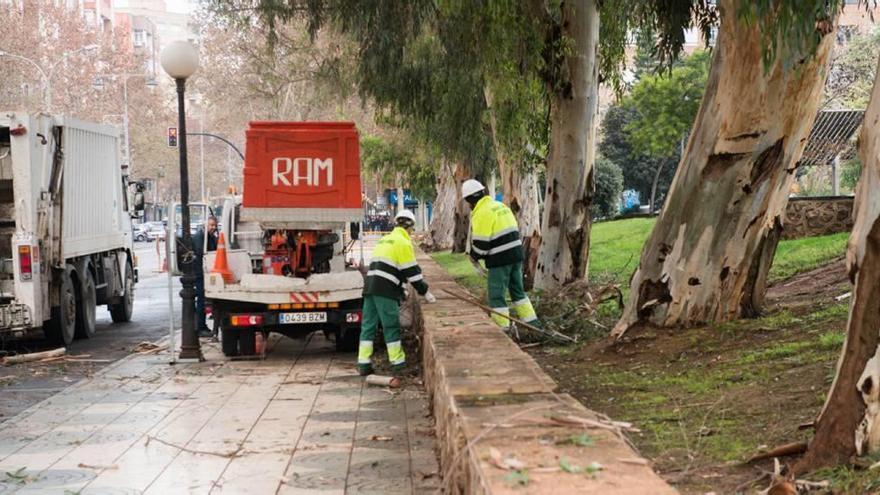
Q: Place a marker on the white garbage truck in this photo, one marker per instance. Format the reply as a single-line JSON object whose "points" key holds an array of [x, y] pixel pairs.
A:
{"points": [[65, 226]]}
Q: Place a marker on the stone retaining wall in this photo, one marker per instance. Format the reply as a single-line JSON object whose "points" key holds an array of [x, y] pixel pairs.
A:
{"points": [[490, 396], [807, 217]]}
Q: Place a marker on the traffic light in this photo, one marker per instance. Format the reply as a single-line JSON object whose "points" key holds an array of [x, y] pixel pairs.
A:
{"points": [[172, 137]]}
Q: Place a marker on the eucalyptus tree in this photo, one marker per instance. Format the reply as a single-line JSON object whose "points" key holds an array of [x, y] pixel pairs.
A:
{"points": [[845, 417], [710, 250]]}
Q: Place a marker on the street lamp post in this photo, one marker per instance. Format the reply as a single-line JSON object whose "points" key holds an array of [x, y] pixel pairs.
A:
{"points": [[45, 75], [180, 60]]}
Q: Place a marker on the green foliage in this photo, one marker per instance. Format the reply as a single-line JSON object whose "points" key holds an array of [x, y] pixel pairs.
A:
{"points": [[609, 185], [638, 169], [850, 172], [851, 76], [666, 105], [581, 440], [392, 160], [790, 29]]}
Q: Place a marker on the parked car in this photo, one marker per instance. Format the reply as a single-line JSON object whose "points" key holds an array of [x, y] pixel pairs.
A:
{"points": [[155, 230], [141, 233]]}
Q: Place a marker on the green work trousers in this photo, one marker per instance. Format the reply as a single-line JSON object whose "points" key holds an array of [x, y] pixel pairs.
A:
{"points": [[384, 310], [504, 279]]}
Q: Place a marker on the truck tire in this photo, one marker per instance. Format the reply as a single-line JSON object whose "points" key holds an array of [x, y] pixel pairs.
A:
{"points": [[228, 339], [347, 339], [121, 311], [61, 328], [86, 304], [247, 343]]}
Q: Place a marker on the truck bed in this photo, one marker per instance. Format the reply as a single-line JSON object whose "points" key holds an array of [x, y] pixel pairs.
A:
{"points": [[278, 289]]}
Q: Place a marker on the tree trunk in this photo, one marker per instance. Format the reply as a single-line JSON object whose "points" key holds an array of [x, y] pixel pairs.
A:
{"points": [[732, 185], [401, 205], [461, 228], [565, 229], [654, 186], [443, 219], [835, 429], [519, 187]]}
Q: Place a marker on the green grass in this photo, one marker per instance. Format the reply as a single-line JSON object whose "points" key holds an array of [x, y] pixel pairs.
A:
{"points": [[459, 267], [800, 255], [615, 248]]}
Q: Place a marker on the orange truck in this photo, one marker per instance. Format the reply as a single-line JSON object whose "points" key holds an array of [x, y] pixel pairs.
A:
{"points": [[285, 268]]}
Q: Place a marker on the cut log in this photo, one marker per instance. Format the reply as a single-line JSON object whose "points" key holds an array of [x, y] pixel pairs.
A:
{"points": [[384, 381], [34, 356]]}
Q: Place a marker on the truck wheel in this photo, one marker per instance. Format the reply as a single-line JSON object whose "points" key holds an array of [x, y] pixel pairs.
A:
{"points": [[121, 311], [247, 342], [62, 327], [347, 339], [228, 340], [86, 305]]}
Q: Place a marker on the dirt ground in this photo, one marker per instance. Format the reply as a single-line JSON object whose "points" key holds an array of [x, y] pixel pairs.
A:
{"points": [[708, 398]]}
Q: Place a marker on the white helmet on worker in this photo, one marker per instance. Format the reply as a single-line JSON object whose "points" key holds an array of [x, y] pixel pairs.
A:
{"points": [[405, 217], [471, 186]]}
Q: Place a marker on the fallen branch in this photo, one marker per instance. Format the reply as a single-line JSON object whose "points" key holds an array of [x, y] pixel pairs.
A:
{"points": [[146, 348], [226, 455], [98, 467], [551, 333], [615, 426], [781, 451], [34, 356]]}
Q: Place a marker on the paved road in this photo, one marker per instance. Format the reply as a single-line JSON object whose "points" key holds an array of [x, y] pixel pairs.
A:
{"points": [[33, 383]]}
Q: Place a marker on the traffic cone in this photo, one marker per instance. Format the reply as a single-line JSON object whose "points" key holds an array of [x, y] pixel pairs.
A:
{"points": [[221, 264]]}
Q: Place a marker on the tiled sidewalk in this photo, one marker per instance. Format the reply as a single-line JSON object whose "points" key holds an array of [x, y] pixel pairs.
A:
{"points": [[301, 421]]}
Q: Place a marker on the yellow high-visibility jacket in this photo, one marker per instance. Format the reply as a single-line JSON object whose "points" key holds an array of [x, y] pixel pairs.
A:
{"points": [[393, 265], [495, 234]]}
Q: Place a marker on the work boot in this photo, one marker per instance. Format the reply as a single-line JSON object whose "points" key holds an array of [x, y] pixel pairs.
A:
{"points": [[365, 369], [398, 369]]}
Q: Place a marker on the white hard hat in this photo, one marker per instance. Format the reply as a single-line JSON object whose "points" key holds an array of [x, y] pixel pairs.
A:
{"points": [[405, 214], [471, 186]]}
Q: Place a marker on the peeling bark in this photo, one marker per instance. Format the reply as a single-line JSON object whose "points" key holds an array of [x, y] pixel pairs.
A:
{"points": [[462, 216], [732, 184], [443, 219], [834, 441], [565, 232]]}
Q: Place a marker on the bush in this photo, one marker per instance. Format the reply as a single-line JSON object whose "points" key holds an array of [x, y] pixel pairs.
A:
{"points": [[609, 186], [850, 173]]}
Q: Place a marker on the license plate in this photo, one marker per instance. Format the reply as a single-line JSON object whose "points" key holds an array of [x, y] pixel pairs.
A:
{"points": [[288, 318]]}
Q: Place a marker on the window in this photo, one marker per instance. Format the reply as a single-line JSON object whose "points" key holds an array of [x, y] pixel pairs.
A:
{"points": [[137, 37]]}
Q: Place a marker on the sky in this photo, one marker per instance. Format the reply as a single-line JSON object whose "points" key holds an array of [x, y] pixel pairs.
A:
{"points": [[181, 6]]}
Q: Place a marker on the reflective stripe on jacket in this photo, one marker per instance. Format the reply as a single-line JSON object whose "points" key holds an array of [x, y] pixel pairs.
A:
{"points": [[394, 264], [495, 234]]}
